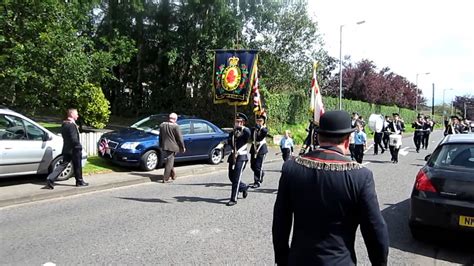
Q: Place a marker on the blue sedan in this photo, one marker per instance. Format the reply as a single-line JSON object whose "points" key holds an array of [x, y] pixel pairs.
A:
{"points": [[138, 145]]}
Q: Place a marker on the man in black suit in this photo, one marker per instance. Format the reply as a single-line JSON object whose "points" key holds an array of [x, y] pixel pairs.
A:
{"points": [[328, 196], [259, 149], [238, 159], [72, 151]]}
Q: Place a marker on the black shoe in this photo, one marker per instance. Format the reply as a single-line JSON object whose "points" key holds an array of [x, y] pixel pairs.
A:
{"points": [[81, 184], [49, 185], [245, 193], [417, 150], [231, 203], [382, 151], [255, 185]]}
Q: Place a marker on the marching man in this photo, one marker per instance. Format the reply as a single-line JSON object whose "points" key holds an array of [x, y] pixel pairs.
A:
{"points": [[259, 149], [237, 160]]}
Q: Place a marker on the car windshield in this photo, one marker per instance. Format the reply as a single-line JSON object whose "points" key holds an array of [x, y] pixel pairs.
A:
{"points": [[150, 123], [454, 156]]}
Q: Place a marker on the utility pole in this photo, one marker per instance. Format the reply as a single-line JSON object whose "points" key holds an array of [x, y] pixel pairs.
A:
{"points": [[432, 103]]}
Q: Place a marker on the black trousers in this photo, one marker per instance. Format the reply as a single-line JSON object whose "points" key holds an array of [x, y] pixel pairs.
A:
{"points": [[256, 163], [359, 152], [378, 142], [351, 150], [386, 139], [235, 176], [394, 152], [285, 153], [169, 164], [425, 140], [75, 158], [417, 138]]}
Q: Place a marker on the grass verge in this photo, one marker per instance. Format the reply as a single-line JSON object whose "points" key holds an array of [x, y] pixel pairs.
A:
{"points": [[97, 165]]}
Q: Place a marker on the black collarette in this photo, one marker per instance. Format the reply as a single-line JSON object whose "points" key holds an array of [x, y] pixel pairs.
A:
{"points": [[332, 148]]}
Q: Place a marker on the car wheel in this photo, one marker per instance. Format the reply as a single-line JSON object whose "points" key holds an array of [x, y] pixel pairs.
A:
{"points": [[149, 161], [215, 157], [417, 231], [66, 174]]}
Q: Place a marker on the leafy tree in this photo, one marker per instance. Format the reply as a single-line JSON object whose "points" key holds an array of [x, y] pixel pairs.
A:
{"points": [[48, 54]]}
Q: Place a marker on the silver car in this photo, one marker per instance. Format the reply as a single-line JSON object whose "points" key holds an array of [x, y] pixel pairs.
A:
{"points": [[28, 148]]}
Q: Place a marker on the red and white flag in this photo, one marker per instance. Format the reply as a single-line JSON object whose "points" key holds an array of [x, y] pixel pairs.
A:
{"points": [[257, 99], [316, 105]]}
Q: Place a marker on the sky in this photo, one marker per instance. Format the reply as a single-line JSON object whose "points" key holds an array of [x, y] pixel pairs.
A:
{"points": [[410, 37]]}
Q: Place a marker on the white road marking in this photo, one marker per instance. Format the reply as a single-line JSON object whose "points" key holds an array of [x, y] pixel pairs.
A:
{"points": [[371, 145], [194, 232], [366, 163], [49, 263], [404, 151]]}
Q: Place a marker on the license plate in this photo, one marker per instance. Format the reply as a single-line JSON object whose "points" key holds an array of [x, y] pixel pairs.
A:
{"points": [[466, 221]]}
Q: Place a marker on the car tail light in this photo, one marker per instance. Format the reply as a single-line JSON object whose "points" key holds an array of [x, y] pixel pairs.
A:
{"points": [[423, 183]]}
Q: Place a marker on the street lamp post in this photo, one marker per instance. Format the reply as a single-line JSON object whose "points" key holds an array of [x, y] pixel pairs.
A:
{"points": [[340, 62], [444, 90], [416, 97]]}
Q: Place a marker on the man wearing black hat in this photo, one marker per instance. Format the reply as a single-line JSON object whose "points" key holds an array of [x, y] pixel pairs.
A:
{"points": [[237, 160], [259, 149], [427, 129], [396, 127], [454, 126], [419, 126], [326, 196]]}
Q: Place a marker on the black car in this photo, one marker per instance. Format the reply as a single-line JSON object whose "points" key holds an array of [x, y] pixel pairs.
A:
{"points": [[443, 194]]}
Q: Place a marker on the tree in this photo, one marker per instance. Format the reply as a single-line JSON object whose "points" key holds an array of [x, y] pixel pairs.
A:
{"points": [[48, 54], [464, 106]]}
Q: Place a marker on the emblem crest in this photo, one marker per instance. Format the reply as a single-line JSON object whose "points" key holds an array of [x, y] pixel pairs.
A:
{"points": [[232, 75]]}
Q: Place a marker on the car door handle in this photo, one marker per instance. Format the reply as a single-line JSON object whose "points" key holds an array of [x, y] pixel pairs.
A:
{"points": [[8, 148]]}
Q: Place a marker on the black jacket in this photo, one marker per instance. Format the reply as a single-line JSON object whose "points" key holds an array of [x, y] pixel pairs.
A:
{"points": [[238, 138], [258, 135], [329, 196], [399, 125], [70, 134]]}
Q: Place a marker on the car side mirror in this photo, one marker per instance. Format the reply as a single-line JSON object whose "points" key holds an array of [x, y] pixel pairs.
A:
{"points": [[427, 157], [47, 137]]}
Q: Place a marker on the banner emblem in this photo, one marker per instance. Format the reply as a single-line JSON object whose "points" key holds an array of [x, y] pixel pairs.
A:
{"points": [[231, 75]]}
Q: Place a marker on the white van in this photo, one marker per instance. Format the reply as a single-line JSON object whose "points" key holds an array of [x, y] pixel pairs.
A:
{"points": [[28, 148]]}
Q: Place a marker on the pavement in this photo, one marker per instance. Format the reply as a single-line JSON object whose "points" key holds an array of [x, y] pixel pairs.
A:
{"points": [[19, 191]]}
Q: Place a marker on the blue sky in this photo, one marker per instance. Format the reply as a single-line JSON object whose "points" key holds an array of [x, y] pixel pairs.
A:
{"points": [[409, 37]]}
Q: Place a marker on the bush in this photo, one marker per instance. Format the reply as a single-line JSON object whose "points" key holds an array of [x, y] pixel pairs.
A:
{"points": [[92, 105]]}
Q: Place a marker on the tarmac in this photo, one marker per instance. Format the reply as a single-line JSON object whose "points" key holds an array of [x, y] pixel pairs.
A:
{"points": [[19, 192]]}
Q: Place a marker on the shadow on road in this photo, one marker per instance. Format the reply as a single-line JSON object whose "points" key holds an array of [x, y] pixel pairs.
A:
{"points": [[150, 200], [200, 199], [376, 161], [455, 248], [208, 184], [27, 179], [265, 190], [152, 177]]}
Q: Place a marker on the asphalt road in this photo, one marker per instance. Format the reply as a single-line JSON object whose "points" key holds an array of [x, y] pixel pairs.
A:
{"points": [[187, 222]]}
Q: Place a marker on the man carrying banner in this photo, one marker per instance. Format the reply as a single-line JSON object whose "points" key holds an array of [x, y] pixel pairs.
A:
{"points": [[259, 149], [237, 160]]}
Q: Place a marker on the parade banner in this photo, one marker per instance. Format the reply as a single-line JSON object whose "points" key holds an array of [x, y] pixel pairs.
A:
{"points": [[233, 77], [316, 101]]}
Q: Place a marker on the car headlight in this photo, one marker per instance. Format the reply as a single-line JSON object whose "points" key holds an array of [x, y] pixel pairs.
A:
{"points": [[130, 145]]}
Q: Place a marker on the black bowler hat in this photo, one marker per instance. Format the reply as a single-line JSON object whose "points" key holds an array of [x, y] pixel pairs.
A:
{"points": [[395, 114], [335, 122], [241, 116], [262, 116], [455, 117]]}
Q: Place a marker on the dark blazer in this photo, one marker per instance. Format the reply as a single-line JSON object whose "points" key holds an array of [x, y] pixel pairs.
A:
{"points": [[70, 134], [399, 125], [259, 134], [326, 196], [238, 138], [171, 138]]}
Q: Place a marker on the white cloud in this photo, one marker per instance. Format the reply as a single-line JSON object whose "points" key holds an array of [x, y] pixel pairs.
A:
{"points": [[409, 37]]}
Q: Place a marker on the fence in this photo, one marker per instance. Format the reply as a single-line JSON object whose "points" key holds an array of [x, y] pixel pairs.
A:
{"points": [[89, 142]]}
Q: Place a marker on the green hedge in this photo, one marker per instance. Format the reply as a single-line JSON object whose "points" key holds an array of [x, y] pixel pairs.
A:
{"points": [[287, 110]]}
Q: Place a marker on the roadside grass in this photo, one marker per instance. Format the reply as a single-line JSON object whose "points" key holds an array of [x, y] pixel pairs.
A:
{"points": [[53, 127], [97, 165]]}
